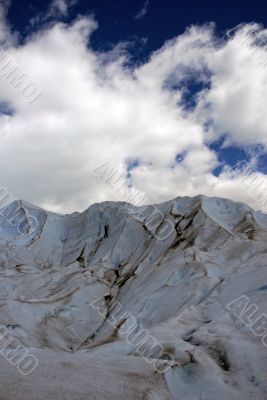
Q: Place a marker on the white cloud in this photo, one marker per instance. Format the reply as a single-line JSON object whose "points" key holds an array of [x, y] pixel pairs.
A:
{"points": [[95, 108], [56, 10], [6, 38], [143, 10], [61, 6], [237, 98]]}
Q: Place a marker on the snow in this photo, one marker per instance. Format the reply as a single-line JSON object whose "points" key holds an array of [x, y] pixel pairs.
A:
{"points": [[177, 289]]}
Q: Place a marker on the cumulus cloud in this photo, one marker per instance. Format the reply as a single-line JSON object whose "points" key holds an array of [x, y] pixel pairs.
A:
{"points": [[237, 97], [97, 107]]}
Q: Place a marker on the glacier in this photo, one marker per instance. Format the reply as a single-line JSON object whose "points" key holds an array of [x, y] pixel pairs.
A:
{"points": [[180, 288]]}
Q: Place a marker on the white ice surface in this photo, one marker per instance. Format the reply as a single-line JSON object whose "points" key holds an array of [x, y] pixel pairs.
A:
{"points": [[178, 289]]}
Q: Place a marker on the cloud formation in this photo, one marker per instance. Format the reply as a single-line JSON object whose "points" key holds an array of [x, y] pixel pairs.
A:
{"points": [[97, 107], [60, 7], [5, 35], [143, 10]]}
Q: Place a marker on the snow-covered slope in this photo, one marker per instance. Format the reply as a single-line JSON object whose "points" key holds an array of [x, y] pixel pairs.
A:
{"points": [[70, 285]]}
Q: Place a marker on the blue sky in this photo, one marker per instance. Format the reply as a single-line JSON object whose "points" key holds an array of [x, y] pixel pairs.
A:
{"points": [[171, 92], [162, 20]]}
